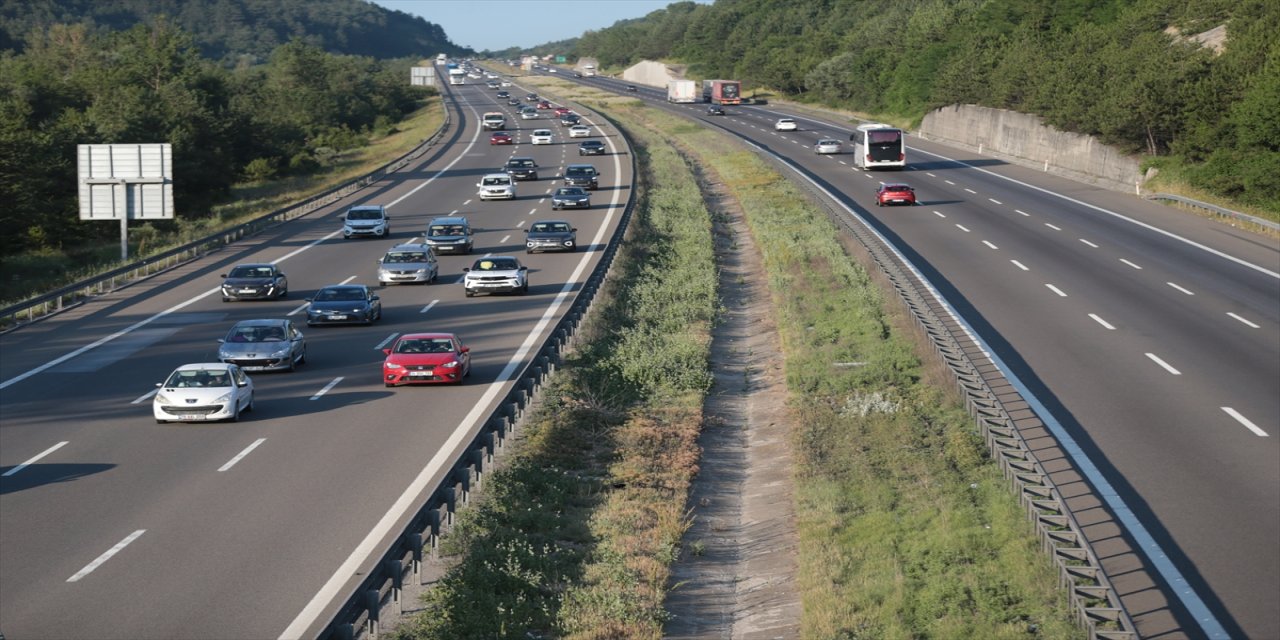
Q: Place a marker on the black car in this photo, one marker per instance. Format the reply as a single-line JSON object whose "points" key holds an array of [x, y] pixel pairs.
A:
{"points": [[344, 304], [591, 148], [631, 87], [513, 101], [503, 94], [576, 197], [570, 119], [521, 168], [254, 282], [715, 110], [531, 97], [551, 235], [581, 175]]}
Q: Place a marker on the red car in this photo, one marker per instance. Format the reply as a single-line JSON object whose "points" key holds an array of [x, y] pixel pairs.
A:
{"points": [[543, 104], [500, 137], [426, 358], [563, 111], [895, 194]]}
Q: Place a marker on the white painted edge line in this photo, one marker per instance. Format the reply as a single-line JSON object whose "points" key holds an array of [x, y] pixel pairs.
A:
{"points": [[387, 340], [1056, 290], [1167, 367], [232, 462], [988, 243], [1243, 320], [106, 556], [429, 305], [326, 388], [34, 459], [1245, 421], [1135, 266], [1088, 243], [1020, 265], [146, 396], [1104, 323], [1182, 289], [367, 546]]}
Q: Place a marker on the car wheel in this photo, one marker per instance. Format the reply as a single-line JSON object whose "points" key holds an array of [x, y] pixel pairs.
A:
{"points": [[388, 384], [302, 357], [235, 416], [159, 421], [249, 407], [226, 299], [468, 292], [293, 364], [525, 288], [284, 293]]}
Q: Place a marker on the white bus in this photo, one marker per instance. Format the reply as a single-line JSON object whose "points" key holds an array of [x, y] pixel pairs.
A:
{"points": [[457, 76], [877, 146]]}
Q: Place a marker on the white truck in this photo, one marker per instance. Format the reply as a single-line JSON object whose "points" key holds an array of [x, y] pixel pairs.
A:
{"points": [[493, 121], [682, 91], [457, 76]]}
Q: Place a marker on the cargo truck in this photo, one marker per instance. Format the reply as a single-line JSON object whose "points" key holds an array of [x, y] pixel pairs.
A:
{"points": [[722, 91], [682, 91]]}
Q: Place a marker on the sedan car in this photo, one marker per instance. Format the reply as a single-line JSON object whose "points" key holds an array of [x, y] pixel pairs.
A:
{"points": [[551, 235], [895, 193], [570, 119], [513, 101], [521, 168], [575, 197], [203, 392], [581, 175], [563, 111], [424, 358], [500, 137], [631, 87], [827, 145], [254, 282], [263, 345], [540, 136], [591, 148], [544, 105], [531, 97], [503, 94], [715, 110], [785, 124], [344, 304], [497, 186], [496, 274], [529, 113], [579, 131], [408, 263]]}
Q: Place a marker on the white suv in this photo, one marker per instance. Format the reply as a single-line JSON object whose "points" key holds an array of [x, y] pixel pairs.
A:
{"points": [[497, 185], [370, 221]]}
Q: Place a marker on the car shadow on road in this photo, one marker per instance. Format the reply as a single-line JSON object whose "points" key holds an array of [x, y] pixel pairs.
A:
{"points": [[42, 474]]}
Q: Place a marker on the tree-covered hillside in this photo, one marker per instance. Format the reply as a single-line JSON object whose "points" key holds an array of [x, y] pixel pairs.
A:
{"points": [[243, 28], [1124, 70]]}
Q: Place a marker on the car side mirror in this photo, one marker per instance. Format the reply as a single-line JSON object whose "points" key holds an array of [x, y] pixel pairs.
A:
{"points": [[375, 297], [159, 384], [524, 268], [222, 275], [387, 351], [220, 341], [574, 229], [479, 185], [466, 268], [526, 231], [306, 299], [464, 350]]}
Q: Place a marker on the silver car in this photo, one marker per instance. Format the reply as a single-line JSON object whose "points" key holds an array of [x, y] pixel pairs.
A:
{"points": [[263, 345], [827, 146], [406, 263]]}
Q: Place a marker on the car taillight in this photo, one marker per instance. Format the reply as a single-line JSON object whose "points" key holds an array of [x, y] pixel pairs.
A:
{"points": [[868, 158], [901, 157]]}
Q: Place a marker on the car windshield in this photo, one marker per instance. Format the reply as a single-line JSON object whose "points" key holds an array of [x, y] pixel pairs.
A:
{"points": [[493, 182], [496, 264], [332, 295], [405, 256], [198, 378], [425, 345], [520, 163], [256, 334], [570, 191], [251, 272], [364, 214], [581, 171]]}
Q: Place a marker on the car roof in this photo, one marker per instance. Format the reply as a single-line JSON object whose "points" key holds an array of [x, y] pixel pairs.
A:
{"points": [[580, 166], [425, 336], [261, 322], [519, 158], [537, 131], [366, 207], [592, 142], [253, 264], [449, 219], [553, 221], [204, 365], [896, 185], [343, 286], [495, 175], [411, 246]]}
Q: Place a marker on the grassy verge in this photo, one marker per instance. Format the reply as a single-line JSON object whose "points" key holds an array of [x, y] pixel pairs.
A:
{"points": [[29, 273], [575, 534]]}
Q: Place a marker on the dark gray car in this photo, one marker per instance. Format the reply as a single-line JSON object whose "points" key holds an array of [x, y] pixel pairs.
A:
{"points": [[591, 148], [344, 304], [254, 282], [263, 345], [551, 235], [581, 175], [521, 168], [574, 197]]}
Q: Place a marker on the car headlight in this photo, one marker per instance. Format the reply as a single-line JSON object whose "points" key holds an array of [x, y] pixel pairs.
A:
{"points": [[392, 365], [224, 355], [420, 271], [281, 353], [163, 399], [226, 397], [450, 364]]}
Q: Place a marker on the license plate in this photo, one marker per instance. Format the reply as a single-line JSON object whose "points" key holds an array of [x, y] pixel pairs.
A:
{"points": [[415, 374], [189, 416], [337, 317], [248, 291]]}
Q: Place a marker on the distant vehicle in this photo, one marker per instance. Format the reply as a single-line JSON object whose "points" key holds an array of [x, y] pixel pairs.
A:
{"points": [[529, 113], [500, 137], [492, 84], [531, 97], [496, 274], [579, 131], [503, 94], [449, 234], [425, 358], [715, 110], [566, 197], [540, 136], [570, 119], [878, 146], [588, 69], [544, 105], [493, 121], [513, 101], [722, 91], [441, 57], [895, 193], [344, 304], [521, 168], [581, 175], [408, 263], [785, 124], [562, 111], [827, 146], [457, 76], [497, 186], [203, 392], [254, 281], [551, 235], [591, 148], [263, 345], [631, 87], [682, 91], [369, 221]]}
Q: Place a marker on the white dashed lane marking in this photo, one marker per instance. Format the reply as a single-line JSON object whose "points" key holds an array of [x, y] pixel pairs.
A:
{"points": [[106, 556], [1244, 321], [1165, 365], [1102, 322], [34, 459], [1056, 290]]}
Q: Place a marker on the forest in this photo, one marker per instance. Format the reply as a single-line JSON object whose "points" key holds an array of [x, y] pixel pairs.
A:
{"points": [[1123, 70]]}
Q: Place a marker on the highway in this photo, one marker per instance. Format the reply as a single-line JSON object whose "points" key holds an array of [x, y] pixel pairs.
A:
{"points": [[113, 526], [1151, 335]]}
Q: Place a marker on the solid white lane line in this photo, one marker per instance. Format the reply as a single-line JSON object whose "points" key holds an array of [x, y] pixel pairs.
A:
{"points": [[34, 459], [1245, 421], [327, 387], [504, 239], [1130, 264], [939, 214], [1156, 359], [988, 243], [1056, 290], [232, 462], [1182, 289], [428, 307], [386, 341], [971, 191], [1089, 243], [962, 228], [1019, 265], [106, 556], [995, 201], [1055, 228], [146, 396], [1246, 322], [1102, 322], [1023, 212]]}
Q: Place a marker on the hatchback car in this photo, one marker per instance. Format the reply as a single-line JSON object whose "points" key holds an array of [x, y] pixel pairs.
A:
{"points": [[408, 263], [500, 137], [827, 146], [203, 392], [496, 186], [715, 110], [263, 345], [575, 197], [450, 234], [503, 94], [563, 111], [785, 124], [521, 168], [531, 97], [591, 148], [581, 175], [579, 131], [425, 358], [568, 120], [254, 282], [344, 304], [369, 221], [551, 235], [540, 136], [496, 274], [544, 105], [529, 113], [895, 193]]}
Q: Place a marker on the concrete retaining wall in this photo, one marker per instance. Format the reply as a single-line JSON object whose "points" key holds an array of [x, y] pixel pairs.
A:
{"points": [[1024, 139], [653, 74]]}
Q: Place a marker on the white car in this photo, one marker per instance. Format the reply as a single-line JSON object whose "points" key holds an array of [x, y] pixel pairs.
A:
{"points": [[496, 274], [203, 392], [827, 145], [785, 124], [540, 136], [579, 131], [505, 83], [497, 185], [529, 114]]}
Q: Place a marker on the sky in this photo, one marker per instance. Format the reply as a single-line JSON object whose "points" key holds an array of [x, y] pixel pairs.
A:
{"points": [[499, 24]]}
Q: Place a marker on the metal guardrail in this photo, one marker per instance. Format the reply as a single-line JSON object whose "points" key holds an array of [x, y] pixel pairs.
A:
{"points": [[360, 615], [12, 317], [1214, 209]]}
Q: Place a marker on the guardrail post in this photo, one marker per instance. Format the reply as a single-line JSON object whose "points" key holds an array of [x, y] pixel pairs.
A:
{"points": [[396, 568], [415, 564], [344, 632], [372, 600]]}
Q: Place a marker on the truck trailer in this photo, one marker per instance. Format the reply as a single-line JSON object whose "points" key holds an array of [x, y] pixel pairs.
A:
{"points": [[722, 91], [682, 91]]}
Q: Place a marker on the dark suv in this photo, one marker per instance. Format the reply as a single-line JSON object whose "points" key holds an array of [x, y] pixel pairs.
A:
{"points": [[581, 175], [521, 168]]}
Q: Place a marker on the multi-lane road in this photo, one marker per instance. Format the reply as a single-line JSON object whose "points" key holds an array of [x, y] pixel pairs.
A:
{"points": [[112, 526]]}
